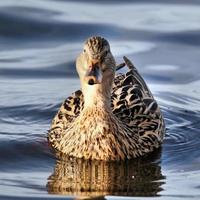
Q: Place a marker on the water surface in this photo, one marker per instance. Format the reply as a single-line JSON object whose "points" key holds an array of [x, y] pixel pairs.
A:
{"points": [[39, 41]]}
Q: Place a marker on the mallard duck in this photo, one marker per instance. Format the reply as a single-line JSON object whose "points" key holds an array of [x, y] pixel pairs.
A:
{"points": [[113, 116]]}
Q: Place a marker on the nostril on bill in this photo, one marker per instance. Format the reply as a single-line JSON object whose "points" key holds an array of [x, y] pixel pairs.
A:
{"points": [[91, 82]]}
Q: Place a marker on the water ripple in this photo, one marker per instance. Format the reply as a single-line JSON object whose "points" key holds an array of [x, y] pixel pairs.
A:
{"points": [[182, 138], [28, 113], [38, 46]]}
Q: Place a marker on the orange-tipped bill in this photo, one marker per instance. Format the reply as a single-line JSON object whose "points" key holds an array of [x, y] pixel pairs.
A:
{"points": [[94, 75]]}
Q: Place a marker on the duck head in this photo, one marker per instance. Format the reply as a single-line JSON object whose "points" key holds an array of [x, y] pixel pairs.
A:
{"points": [[96, 68]]}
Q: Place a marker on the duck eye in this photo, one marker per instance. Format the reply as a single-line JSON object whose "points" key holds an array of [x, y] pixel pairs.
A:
{"points": [[84, 50]]}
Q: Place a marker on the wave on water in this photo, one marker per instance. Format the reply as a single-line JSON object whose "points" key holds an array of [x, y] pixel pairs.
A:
{"points": [[39, 43]]}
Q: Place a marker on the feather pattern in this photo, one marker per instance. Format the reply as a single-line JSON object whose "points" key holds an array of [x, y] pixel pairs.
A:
{"points": [[139, 121]]}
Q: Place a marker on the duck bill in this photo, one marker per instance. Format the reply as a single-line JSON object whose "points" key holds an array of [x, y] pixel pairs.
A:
{"points": [[94, 75]]}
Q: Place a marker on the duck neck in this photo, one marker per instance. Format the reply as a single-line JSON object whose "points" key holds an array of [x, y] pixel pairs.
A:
{"points": [[97, 97]]}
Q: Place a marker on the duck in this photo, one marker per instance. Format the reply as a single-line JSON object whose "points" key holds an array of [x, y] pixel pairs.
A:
{"points": [[114, 116]]}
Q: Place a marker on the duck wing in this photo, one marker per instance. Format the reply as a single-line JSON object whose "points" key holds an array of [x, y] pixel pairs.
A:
{"points": [[68, 111], [134, 105]]}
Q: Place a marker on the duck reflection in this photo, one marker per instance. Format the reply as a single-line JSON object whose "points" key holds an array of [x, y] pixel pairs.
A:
{"points": [[141, 177]]}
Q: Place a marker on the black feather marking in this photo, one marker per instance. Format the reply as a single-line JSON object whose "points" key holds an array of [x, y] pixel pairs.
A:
{"points": [[78, 93], [67, 107]]}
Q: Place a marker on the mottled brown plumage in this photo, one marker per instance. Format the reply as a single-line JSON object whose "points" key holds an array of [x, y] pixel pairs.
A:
{"points": [[112, 117]]}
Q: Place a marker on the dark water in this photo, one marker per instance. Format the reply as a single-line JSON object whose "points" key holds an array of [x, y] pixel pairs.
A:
{"points": [[39, 41]]}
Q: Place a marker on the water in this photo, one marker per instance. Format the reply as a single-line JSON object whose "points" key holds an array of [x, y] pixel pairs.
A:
{"points": [[39, 41]]}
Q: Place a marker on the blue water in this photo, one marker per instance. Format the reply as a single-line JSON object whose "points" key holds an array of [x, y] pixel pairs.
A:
{"points": [[39, 41]]}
